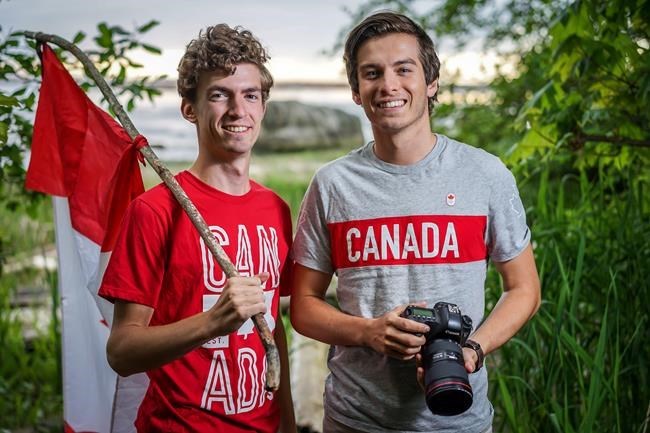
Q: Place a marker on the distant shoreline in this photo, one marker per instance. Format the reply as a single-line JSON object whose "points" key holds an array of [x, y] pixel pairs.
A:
{"points": [[285, 85], [168, 84]]}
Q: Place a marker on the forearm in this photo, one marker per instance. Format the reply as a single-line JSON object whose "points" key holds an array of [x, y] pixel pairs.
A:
{"points": [[287, 416], [315, 318], [388, 334], [520, 300], [133, 348], [514, 309]]}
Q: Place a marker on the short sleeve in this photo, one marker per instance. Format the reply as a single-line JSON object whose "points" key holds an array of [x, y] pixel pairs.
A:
{"points": [[311, 244], [508, 234], [136, 267]]}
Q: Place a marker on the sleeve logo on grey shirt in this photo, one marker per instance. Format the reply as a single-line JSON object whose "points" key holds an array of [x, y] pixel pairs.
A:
{"points": [[515, 202]]}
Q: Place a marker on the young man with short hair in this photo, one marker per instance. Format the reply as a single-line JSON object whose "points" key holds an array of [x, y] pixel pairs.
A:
{"points": [[411, 217], [177, 317]]}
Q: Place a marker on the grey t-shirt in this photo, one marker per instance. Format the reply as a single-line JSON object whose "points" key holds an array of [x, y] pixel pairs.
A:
{"points": [[401, 234]]}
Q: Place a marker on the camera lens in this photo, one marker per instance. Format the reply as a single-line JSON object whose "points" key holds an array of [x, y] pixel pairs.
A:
{"points": [[447, 387]]}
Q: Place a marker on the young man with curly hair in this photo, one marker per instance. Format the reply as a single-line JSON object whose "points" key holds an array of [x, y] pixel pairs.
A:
{"points": [[412, 216], [177, 317]]}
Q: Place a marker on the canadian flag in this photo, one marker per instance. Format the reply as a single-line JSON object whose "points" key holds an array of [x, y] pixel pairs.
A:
{"points": [[82, 156]]}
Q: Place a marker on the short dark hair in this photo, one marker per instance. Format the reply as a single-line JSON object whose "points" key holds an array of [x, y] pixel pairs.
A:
{"points": [[221, 48], [383, 23]]}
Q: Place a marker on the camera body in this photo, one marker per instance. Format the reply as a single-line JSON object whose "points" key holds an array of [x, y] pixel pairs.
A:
{"points": [[447, 387]]}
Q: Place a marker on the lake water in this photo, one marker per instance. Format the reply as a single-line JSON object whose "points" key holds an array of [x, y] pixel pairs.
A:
{"points": [[164, 126]]}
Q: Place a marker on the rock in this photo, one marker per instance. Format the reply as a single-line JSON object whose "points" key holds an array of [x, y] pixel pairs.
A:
{"points": [[308, 372], [293, 125]]}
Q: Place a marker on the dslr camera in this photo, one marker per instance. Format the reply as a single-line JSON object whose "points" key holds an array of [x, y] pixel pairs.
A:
{"points": [[446, 383]]}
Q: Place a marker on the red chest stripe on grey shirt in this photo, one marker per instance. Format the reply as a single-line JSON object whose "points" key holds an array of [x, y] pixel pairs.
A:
{"points": [[405, 240]]}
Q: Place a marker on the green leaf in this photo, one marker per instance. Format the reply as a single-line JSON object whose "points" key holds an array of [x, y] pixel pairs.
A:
{"points": [[103, 27], [507, 399], [79, 37], [119, 30], [148, 26], [534, 101], [566, 56], [29, 101], [121, 76], [134, 64], [152, 49], [10, 43], [4, 128], [105, 38], [151, 93], [8, 101]]}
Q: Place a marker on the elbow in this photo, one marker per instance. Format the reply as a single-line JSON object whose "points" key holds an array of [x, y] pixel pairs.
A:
{"points": [[117, 366], [296, 315], [116, 360], [537, 298], [539, 301]]}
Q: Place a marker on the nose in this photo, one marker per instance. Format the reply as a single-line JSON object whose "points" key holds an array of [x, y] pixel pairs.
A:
{"points": [[236, 108], [390, 82]]}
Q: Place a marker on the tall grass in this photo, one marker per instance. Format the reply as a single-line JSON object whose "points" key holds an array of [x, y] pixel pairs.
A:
{"points": [[291, 191], [30, 369], [25, 231], [30, 376], [581, 364]]}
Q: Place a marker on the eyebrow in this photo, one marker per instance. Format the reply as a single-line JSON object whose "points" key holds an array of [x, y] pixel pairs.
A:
{"points": [[230, 91], [407, 61], [215, 88]]}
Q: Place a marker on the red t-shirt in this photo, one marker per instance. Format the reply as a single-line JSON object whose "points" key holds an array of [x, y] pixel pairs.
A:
{"points": [[160, 261]]}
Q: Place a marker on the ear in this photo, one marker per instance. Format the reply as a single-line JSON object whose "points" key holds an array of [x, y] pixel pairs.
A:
{"points": [[432, 88], [356, 98], [187, 110]]}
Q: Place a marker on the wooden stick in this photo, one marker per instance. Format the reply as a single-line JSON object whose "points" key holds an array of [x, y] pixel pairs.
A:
{"points": [[272, 354]]}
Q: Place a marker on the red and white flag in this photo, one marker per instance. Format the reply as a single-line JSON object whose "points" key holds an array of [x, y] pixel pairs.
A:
{"points": [[82, 156]]}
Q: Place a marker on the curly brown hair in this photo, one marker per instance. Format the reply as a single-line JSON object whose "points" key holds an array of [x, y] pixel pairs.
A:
{"points": [[383, 23], [221, 48]]}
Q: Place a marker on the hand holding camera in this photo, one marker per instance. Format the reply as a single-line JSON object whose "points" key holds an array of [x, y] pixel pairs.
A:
{"points": [[446, 383], [395, 336]]}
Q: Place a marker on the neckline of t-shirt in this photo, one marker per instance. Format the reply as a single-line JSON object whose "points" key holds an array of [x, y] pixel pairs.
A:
{"points": [[216, 193], [441, 142]]}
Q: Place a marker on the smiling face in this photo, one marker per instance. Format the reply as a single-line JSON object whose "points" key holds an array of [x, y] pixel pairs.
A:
{"points": [[227, 112], [392, 87]]}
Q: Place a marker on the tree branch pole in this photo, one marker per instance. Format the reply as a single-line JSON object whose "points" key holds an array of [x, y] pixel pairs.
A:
{"points": [[272, 354]]}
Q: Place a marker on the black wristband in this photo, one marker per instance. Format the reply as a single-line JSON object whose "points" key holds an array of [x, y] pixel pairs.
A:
{"points": [[479, 353]]}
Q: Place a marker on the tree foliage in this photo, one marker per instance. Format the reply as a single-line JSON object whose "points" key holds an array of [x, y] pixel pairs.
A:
{"points": [[111, 50], [596, 92]]}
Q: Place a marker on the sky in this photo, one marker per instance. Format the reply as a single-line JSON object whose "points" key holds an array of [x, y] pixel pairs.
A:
{"points": [[294, 31]]}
